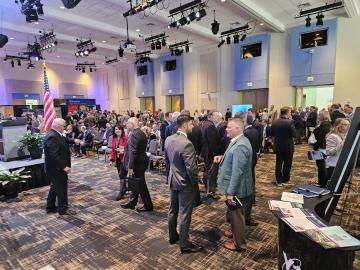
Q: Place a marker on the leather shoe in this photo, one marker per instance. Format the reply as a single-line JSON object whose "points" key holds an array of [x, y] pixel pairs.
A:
{"points": [[143, 209], [228, 234], [67, 212], [127, 206], [232, 247], [173, 241], [119, 196], [51, 210], [191, 249], [251, 223]]}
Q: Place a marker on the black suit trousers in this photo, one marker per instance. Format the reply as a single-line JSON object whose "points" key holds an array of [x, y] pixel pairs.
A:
{"points": [[58, 189], [283, 166], [144, 191]]}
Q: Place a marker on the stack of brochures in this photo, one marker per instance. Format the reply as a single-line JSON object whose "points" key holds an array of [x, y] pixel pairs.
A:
{"points": [[332, 237], [310, 191]]}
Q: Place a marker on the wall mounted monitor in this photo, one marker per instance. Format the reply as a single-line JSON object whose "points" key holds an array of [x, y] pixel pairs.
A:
{"points": [[240, 108], [142, 70], [313, 39], [170, 65], [251, 50]]}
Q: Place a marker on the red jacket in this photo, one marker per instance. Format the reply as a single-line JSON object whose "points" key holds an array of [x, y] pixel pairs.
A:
{"points": [[113, 146]]}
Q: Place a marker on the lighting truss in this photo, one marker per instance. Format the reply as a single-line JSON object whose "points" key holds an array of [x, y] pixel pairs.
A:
{"points": [[236, 35], [141, 6], [16, 58], [191, 11], [83, 66], [180, 47], [48, 41], [109, 61], [32, 9], [327, 7], [143, 57], [85, 48], [157, 41], [33, 51]]}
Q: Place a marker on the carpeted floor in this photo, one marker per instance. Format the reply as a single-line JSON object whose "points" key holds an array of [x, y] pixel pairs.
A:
{"points": [[105, 236]]}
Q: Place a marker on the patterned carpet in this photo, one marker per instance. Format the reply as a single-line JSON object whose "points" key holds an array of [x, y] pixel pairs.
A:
{"points": [[105, 236]]}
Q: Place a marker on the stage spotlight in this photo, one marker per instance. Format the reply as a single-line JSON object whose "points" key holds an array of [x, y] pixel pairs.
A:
{"points": [[236, 38], [202, 14], [187, 48], [173, 24], [86, 52], [12, 63], [81, 53], [152, 46], [31, 15], [121, 51], [183, 21], [319, 19], [192, 16], [308, 21], [163, 42], [158, 45], [215, 26], [83, 70], [77, 54], [228, 40], [90, 69], [221, 43], [197, 14], [172, 52], [39, 8], [19, 62], [243, 37]]}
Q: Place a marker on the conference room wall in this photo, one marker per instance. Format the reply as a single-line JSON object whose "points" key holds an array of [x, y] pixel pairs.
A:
{"points": [[347, 68], [57, 74]]}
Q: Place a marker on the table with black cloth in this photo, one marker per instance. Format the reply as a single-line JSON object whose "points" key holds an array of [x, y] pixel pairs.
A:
{"points": [[35, 167], [303, 250]]}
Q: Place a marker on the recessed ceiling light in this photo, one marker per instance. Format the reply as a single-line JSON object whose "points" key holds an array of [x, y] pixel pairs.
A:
{"points": [[12, 38], [62, 7], [137, 30], [36, 22], [223, 1], [104, 41], [261, 24], [58, 56]]}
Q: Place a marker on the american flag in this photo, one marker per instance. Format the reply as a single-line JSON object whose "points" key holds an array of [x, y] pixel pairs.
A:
{"points": [[49, 110]]}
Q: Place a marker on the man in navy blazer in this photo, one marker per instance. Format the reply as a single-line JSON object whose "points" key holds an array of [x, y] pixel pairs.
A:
{"points": [[235, 181]]}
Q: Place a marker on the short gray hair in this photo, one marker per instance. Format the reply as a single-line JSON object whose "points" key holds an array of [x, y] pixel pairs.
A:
{"points": [[175, 115], [57, 123]]}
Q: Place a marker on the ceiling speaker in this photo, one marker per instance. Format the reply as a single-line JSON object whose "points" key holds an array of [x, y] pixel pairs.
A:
{"points": [[3, 40], [70, 3]]}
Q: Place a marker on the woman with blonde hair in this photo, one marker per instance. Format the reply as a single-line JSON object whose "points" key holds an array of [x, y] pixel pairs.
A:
{"points": [[320, 145], [335, 142]]}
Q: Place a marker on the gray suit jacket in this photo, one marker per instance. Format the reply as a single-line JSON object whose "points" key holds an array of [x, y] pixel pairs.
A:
{"points": [[235, 176], [181, 156]]}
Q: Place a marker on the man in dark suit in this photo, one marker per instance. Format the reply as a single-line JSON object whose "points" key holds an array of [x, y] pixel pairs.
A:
{"points": [[227, 114], [183, 183], [211, 146], [84, 141], [283, 132], [57, 168], [336, 113], [163, 126], [137, 161]]}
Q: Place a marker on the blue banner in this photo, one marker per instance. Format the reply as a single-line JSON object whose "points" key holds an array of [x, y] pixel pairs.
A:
{"points": [[87, 102]]}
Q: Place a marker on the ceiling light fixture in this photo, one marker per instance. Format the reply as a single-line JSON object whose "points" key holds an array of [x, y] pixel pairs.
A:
{"points": [[157, 41], [180, 47], [226, 35], [215, 26], [308, 21], [85, 48], [195, 10]]}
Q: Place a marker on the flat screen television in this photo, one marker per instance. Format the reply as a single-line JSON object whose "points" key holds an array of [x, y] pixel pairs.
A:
{"points": [[251, 50], [142, 70], [170, 65], [313, 39], [240, 108]]}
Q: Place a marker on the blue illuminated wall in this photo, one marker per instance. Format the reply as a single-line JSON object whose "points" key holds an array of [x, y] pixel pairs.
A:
{"points": [[172, 82], [252, 73], [313, 66], [144, 85]]}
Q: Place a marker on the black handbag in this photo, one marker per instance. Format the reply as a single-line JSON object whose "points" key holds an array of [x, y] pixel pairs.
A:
{"points": [[134, 184]]}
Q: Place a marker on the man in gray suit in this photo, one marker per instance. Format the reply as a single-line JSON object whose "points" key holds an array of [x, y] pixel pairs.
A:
{"points": [[183, 182], [235, 180]]}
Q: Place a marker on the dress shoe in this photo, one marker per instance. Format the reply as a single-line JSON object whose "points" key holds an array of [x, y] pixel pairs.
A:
{"points": [[286, 184], [173, 241], [191, 249], [67, 212], [196, 204], [213, 196], [143, 209], [232, 247], [127, 206], [251, 223], [51, 210], [119, 196], [228, 234], [279, 184]]}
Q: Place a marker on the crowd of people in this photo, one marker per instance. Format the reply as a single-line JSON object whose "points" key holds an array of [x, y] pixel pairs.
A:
{"points": [[229, 146]]}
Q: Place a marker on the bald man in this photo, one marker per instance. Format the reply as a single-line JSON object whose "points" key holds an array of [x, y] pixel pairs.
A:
{"points": [[136, 162], [57, 168]]}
